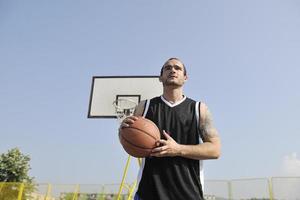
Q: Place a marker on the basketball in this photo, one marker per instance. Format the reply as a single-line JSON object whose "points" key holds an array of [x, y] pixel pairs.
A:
{"points": [[139, 138]]}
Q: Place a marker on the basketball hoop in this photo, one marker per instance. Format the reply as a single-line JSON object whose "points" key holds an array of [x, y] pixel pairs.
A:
{"points": [[115, 97], [124, 108]]}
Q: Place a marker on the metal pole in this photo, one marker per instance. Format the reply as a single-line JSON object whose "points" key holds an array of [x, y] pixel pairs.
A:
{"points": [[21, 191], [75, 196], [229, 190], [48, 192], [270, 188], [124, 177]]}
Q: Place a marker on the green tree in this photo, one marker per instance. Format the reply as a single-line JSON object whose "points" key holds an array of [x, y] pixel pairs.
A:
{"points": [[14, 168]]}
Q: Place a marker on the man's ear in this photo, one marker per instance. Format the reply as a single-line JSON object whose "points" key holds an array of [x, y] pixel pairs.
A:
{"points": [[186, 78]]}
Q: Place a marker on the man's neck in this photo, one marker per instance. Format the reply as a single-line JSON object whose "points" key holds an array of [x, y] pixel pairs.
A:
{"points": [[173, 96]]}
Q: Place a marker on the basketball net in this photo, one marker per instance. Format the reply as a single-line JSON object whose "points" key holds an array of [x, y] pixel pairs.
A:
{"points": [[124, 108]]}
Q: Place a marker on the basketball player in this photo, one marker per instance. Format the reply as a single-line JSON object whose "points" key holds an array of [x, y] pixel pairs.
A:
{"points": [[174, 169]]}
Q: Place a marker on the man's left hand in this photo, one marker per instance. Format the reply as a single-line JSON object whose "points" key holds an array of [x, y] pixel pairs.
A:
{"points": [[166, 147]]}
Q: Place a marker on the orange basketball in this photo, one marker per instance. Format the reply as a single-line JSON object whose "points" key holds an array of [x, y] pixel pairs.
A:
{"points": [[139, 138]]}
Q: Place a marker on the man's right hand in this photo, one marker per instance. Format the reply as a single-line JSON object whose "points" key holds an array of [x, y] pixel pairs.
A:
{"points": [[127, 121]]}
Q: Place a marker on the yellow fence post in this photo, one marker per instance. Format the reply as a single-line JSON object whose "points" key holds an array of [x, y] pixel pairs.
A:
{"points": [[229, 190], [270, 188], [21, 189], [1, 186], [75, 196], [48, 192], [102, 196]]}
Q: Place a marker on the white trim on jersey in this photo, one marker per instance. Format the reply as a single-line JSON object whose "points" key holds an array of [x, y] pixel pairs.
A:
{"points": [[146, 107], [201, 174], [139, 177], [174, 104], [197, 111], [197, 114]]}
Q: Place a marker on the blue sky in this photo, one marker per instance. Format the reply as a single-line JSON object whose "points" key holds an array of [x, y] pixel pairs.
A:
{"points": [[242, 59]]}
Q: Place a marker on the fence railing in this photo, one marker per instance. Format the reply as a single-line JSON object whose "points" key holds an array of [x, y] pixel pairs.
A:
{"points": [[275, 188]]}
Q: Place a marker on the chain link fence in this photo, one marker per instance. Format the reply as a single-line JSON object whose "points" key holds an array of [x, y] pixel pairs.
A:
{"points": [[275, 188]]}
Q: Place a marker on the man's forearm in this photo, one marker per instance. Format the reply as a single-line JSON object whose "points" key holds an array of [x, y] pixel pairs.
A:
{"points": [[202, 151]]}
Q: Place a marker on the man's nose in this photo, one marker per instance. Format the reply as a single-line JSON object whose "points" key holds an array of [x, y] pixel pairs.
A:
{"points": [[172, 72], [172, 69]]}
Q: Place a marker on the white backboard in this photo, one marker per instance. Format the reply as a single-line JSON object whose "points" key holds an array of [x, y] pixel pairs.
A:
{"points": [[107, 89]]}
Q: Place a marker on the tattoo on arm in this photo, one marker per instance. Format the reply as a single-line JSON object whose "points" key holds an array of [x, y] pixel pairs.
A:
{"points": [[207, 128]]}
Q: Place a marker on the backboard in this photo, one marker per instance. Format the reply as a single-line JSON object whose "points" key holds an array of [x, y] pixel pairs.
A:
{"points": [[106, 90]]}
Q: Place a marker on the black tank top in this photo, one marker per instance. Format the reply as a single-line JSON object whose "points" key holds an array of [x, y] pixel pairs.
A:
{"points": [[172, 178]]}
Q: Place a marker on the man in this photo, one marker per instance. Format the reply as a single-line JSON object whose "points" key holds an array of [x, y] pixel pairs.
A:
{"points": [[174, 169]]}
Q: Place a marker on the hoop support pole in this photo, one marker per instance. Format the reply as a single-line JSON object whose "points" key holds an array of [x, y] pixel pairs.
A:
{"points": [[124, 177]]}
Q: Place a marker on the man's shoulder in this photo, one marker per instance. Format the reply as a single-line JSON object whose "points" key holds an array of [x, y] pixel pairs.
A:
{"points": [[142, 105], [154, 99], [191, 100], [195, 101]]}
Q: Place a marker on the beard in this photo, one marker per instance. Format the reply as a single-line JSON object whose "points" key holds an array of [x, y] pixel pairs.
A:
{"points": [[173, 83]]}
